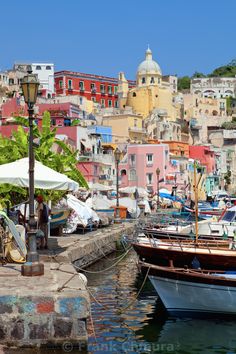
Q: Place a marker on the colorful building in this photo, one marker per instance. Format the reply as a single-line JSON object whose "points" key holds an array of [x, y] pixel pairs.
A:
{"points": [[205, 155], [178, 148], [97, 88], [138, 168], [126, 127], [150, 91]]}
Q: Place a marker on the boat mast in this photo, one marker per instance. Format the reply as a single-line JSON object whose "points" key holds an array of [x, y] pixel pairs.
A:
{"points": [[196, 199]]}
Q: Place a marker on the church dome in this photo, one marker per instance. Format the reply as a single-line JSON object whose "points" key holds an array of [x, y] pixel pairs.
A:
{"points": [[149, 65]]}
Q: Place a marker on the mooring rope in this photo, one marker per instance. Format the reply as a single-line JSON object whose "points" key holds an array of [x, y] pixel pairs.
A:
{"points": [[137, 295], [106, 269]]}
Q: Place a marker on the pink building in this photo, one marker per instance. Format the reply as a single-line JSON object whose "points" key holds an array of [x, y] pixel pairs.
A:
{"points": [[139, 167], [13, 107], [205, 155], [91, 170]]}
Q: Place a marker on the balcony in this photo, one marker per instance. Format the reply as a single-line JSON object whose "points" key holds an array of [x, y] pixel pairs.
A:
{"points": [[93, 91], [103, 93], [137, 130], [106, 159]]}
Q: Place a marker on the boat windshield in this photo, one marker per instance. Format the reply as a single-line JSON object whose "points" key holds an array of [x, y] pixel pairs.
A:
{"points": [[229, 216]]}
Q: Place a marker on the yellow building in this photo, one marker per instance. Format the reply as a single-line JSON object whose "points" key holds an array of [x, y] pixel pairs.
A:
{"points": [[126, 127], [150, 92]]}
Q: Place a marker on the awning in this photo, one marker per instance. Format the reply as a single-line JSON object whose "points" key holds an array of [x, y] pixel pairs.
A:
{"points": [[87, 144]]}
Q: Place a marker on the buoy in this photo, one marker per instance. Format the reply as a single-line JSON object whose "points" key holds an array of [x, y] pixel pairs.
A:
{"points": [[83, 278]]}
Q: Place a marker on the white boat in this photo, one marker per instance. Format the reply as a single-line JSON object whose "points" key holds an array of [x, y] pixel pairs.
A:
{"points": [[185, 291]]}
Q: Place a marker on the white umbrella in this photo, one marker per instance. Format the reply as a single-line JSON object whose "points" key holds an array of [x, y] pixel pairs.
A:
{"points": [[131, 190], [99, 187], [17, 173]]}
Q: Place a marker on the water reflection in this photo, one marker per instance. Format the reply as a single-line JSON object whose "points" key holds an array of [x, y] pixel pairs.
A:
{"points": [[124, 324]]}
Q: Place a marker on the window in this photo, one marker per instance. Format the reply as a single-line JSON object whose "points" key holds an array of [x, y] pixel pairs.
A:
{"points": [[222, 105], [149, 159], [109, 103], [80, 100], [132, 159], [11, 81], [102, 103], [69, 84], [152, 81], [109, 90], [93, 88], [149, 178], [135, 122], [116, 104], [60, 84], [102, 88], [134, 94], [95, 170], [38, 67], [143, 80], [132, 175], [48, 67], [81, 85], [93, 99], [115, 90]]}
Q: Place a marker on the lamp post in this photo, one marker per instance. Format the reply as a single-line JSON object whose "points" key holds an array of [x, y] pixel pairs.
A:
{"points": [[32, 266], [117, 155], [158, 177]]}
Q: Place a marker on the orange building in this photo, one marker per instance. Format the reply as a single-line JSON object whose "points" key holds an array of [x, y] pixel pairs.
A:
{"points": [[178, 148]]}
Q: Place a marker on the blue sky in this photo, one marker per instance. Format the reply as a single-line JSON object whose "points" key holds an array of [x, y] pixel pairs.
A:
{"points": [[105, 37]]}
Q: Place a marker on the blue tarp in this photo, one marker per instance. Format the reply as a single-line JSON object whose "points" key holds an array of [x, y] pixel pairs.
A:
{"points": [[169, 196]]}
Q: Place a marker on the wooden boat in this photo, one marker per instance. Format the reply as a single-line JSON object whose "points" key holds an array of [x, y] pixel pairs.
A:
{"points": [[59, 218], [209, 254], [185, 291]]}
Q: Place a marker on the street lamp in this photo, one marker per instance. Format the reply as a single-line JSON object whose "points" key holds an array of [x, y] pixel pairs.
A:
{"points": [[117, 155], [32, 266], [158, 177]]}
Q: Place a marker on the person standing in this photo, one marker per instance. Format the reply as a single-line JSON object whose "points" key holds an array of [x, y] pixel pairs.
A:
{"points": [[42, 214]]}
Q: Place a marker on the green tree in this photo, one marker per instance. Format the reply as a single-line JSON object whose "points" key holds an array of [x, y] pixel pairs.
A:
{"points": [[184, 83], [224, 71], [198, 74], [64, 161]]}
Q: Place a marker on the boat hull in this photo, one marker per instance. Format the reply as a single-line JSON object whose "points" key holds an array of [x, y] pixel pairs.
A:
{"points": [[183, 257], [184, 293]]}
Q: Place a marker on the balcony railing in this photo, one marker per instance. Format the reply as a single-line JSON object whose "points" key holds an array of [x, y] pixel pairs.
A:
{"points": [[137, 130], [103, 158]]}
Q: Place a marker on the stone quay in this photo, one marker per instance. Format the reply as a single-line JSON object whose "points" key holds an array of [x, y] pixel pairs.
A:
{"points": [[52, 310]]}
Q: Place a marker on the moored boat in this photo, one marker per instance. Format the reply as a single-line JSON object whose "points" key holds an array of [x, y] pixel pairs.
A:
{"points": [[184, 291], [209, 254]]}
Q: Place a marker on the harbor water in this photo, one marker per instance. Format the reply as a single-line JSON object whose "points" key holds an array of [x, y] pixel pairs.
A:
{"points": [[127, 320], [124, 321]]}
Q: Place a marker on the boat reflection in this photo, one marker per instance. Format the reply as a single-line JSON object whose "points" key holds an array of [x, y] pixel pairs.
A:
{"points": [[188, 335]]}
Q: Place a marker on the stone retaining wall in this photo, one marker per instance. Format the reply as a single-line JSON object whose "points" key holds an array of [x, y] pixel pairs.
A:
{"points": [[50, 309]]}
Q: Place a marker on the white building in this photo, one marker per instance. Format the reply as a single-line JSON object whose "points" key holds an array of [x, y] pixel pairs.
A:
{"points": [[45, 72], [214, 87]]}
